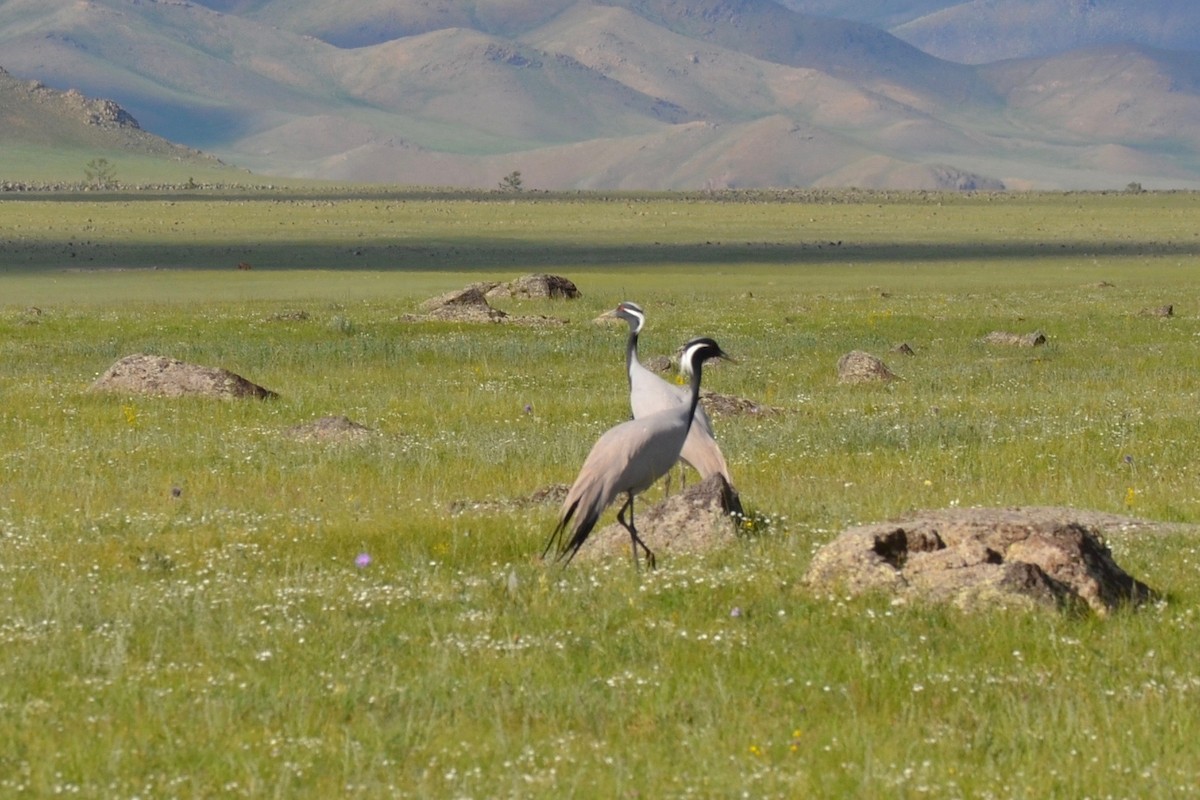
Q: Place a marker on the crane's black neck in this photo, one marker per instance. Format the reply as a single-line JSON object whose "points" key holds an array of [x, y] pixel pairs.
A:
{"points": [[696, 368], [631, 353]]}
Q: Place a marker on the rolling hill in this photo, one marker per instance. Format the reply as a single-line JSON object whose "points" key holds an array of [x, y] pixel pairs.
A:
{"points": [[982, 32], [653, 94], [979, 32], [52, 136]]}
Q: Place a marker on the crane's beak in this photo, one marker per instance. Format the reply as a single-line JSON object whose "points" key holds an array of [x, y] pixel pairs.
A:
{"points": [[608, 319]]}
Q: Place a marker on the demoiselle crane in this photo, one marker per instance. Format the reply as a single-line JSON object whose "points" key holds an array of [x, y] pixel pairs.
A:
{"points": [[649, 394], [627, 459]]}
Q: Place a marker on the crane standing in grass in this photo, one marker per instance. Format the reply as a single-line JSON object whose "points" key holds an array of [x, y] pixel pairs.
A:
{"points": [[627, 459], [649, 394]]}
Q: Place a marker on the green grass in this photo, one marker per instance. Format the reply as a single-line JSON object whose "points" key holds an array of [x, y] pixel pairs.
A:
{"points": [[59, 162], [222, 642]]}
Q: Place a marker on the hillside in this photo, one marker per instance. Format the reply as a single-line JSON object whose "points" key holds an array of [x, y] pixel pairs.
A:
{"points": [[654, 94], [37, 119], [983, 32], [980, 32]]}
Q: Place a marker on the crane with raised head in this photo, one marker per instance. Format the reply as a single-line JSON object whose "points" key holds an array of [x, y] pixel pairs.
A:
{"points": [[649, 394], [626, 460]]}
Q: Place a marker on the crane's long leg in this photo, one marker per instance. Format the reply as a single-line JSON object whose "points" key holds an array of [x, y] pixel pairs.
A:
{"points": [[635, 540]]}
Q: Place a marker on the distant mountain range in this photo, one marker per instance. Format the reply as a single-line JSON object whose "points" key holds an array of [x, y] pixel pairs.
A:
{"points": [[642, 94], [983, 31]]}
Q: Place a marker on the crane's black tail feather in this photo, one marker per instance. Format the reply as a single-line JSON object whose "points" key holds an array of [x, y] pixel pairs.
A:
{"points": [[566, 550]]}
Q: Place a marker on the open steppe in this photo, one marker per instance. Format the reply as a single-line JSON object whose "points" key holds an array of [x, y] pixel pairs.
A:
{"points": [[194, 603]]}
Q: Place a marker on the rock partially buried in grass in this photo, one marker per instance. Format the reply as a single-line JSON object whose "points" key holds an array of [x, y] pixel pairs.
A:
{"points": [[861, 367], [1035, 339], [467, 304], [168, 377], [471, 305], [978, 558], [722, 405], [552, 495], [694, 520], [330, 429]]}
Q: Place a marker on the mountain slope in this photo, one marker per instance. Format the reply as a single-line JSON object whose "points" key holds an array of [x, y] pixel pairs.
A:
{"points": [[69, 126], [373, 22], [984, 31], [625, 93], [1137, 95], [981, 32], [883, 14]]}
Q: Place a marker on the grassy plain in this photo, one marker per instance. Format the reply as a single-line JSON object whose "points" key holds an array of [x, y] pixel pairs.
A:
{"points": [[181, 613]]}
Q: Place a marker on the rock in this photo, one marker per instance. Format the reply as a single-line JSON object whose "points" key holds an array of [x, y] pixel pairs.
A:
{"points": [[330, 429], [976, 558], [536, 285], [551, 494], [730, 405], [1160, 311], [694, 520], [169, 377], [471, 305], [298, 315], [1034, 339], [467, 304], [860, 367], [659, 364]]}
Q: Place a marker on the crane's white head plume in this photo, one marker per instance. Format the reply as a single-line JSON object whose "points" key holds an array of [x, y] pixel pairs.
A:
{"points": [[699, 350]]}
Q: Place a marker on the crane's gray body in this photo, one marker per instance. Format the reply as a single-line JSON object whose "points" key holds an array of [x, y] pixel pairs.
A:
{"points": [[627, 458], [650, 394]]}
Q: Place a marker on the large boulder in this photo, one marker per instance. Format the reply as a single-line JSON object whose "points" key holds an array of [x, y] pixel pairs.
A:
{"points": [[694, 520], [169, 377], [971, 558]]}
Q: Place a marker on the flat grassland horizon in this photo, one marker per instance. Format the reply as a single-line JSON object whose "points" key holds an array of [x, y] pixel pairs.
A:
{"points": [[193, 603]]}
